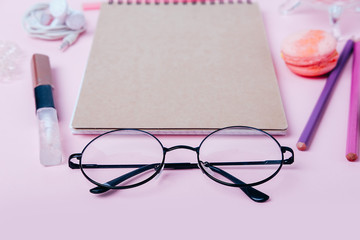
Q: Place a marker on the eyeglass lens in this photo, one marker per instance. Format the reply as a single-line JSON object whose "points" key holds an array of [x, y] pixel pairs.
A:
{"points": [[122, 152], [247, 154]]}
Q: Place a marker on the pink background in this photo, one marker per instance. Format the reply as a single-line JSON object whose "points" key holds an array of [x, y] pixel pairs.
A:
{"points": [[318, 197]]}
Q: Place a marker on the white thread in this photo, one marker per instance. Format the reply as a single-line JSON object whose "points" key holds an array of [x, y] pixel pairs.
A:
{"points": [[32, 23]]}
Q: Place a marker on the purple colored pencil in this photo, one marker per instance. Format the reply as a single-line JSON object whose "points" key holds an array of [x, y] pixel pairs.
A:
{"points": [[309, 129]]}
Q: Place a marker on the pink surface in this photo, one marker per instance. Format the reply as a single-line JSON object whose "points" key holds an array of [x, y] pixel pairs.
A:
{"points": [[318, 197]]}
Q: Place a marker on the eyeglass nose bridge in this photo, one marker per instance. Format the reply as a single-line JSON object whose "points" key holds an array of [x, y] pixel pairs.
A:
{"points": [[195, 149], [182, 165]]}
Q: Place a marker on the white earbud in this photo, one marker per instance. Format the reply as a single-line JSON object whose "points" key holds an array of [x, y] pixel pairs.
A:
{"points": [[75, 20], [59, 10], [62, 14]]}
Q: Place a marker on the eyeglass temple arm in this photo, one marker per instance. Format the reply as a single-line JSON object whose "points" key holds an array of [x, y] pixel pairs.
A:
{"points": [[122, 178], [141, 169], [77, 156], [111, 183], [289, 160], [251, 192]]}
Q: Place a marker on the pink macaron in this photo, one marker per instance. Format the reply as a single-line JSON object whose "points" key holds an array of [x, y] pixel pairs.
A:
{"points": [[310, 53]]}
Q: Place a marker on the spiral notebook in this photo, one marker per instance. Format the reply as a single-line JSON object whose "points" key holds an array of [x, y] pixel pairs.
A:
{"points": [[179, 68]]}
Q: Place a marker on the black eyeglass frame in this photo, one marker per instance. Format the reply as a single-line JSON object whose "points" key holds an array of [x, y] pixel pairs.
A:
{"points": [[160, 166]]}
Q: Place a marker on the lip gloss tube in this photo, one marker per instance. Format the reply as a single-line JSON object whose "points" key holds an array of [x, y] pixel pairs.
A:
{"points": [[50, 144]]}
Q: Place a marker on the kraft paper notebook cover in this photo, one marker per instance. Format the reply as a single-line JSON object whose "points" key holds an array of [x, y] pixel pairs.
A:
{"points": [[179, 68]]}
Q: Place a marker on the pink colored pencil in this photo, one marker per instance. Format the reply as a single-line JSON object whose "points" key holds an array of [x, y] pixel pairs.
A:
{"points": [[353, 123], [91, 6]]}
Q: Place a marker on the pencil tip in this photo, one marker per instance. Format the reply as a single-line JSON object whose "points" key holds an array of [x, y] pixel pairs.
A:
{"points": [[351, 156], [301, 146]]}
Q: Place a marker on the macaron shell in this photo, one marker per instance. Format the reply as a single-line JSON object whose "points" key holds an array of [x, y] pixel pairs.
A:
{"points": [[309, 44], [320, 68], [311, 71]]}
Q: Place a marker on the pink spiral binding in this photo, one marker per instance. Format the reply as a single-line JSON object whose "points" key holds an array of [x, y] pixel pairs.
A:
{"points": [[179, 1], [96, 5]]}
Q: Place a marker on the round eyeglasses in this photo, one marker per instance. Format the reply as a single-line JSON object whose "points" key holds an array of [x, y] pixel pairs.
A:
{"points": [[236, 156]]}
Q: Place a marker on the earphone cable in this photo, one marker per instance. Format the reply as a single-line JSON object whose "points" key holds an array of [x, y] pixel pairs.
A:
{"points": [[33, 26]]}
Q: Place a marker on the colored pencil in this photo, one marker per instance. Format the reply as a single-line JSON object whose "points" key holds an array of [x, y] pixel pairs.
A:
{"points": [[91, 6], [352, 131], [316, 114]]}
